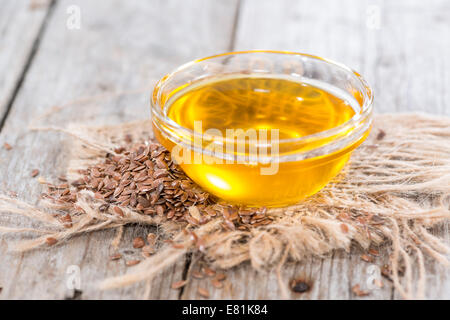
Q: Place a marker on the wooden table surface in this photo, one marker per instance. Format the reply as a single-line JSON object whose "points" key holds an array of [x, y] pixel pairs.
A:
{"points": [[402, 47]]}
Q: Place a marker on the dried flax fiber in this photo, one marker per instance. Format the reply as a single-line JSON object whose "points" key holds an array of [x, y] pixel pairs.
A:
{"points": [[394, 190]]}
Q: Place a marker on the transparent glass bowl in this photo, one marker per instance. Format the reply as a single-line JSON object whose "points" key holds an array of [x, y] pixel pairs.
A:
{"points": [[305, 164]]}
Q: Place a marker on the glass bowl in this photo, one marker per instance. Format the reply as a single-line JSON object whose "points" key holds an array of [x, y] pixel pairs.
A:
{"points": [[288, 170]]}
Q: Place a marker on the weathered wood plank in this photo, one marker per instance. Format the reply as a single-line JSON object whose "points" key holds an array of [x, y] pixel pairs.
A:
{"points": [[20, 25], [404, 57], [121, 45]]}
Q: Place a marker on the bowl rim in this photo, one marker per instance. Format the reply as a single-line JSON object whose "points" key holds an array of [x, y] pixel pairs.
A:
{"points": [[356, 120]]}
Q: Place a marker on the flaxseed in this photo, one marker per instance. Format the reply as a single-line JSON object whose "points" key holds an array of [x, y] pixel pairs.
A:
{"points": [[179, 284], [356, 289], [116, 256], [203, 292], [148, 250], [51, 241], [7, 146], [209, 272], [130, 263], [151, 239], [220, 276], [381, 134], [138, 243], [144, 178], [217, 284]]}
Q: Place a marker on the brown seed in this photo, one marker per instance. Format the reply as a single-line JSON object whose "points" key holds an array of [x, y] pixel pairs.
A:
{"points": [[226, 212], [138, 242], [179, 284], [203, 292], [148, 250], [160, 163], [139, 168], [220, 276], [128, 138], [130, 263], [13, 194], [198, 275], [229, 225], [246, 212], [98, 196], [116, 256], [185, 184], [118, 191], [126, 180], [34, 173], [7, 146], [151, 239], [184, 197], [51, 241], [195, 213], [149, 211], [111, 185], [103, 207], [177, 245], [344, 228], [170, 214], [217, 284], [374, 252], [381, 134], [378, 283], [143, 201], [67, 221]]}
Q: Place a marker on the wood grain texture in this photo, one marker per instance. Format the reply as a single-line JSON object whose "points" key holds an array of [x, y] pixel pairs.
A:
{"points": [[20, 26], [404, 57], [121, 45]]}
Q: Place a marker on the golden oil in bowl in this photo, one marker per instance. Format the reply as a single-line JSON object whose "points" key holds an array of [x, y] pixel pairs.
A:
{"points": [[217, 126]]}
